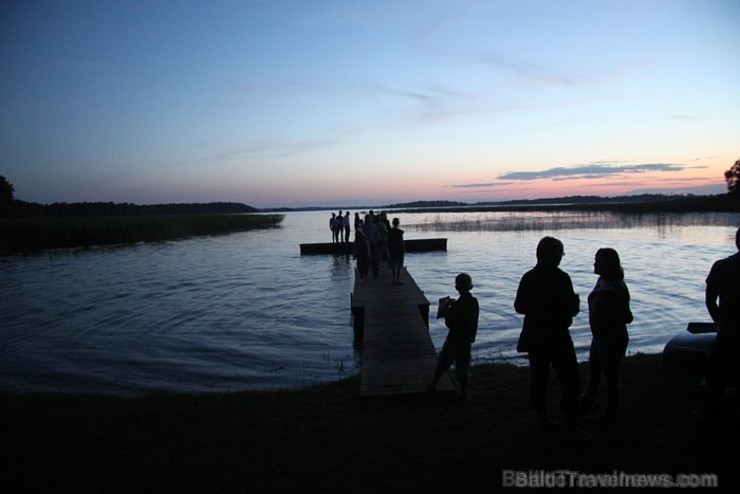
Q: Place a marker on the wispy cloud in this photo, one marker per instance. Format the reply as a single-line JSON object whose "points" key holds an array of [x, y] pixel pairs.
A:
{"points": [[591, 170], [594, 171], [274, 147], [485, 185], [528, 70]]}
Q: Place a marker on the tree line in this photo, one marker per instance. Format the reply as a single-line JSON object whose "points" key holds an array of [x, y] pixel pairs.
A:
{"points": [[16, 208], [23, 209]]}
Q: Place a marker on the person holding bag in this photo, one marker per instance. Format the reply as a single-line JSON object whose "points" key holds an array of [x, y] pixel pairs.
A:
{"points": [[461, 319]]}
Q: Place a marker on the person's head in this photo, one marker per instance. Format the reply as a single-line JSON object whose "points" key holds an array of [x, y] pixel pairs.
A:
{"points": [[463, 282], [396, 221], [550, 251], [737, 239], [607, 264]]}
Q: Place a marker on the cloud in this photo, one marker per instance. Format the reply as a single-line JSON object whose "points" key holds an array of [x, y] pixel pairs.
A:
{"points": [[271, 147], [591, 170], [480, 185], [528, 70]]}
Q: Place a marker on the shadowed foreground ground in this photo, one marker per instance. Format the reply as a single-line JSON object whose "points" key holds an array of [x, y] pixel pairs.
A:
{"points": [[325, 439]]}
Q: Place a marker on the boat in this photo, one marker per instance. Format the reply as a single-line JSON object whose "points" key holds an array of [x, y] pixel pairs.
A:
{"points": [[691, 349], [410, 245]]}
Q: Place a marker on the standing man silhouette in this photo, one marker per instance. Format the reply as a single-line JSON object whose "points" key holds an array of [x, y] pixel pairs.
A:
{"points": [[546, 298], [396, 251], [722, 298], [346, 226]]}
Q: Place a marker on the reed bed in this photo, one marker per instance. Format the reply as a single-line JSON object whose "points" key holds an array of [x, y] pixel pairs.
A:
{"points": [[564, 220], [28, 234]]}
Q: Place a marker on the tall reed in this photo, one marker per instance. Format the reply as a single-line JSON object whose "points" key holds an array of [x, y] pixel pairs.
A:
{"points": [[564, 220]]}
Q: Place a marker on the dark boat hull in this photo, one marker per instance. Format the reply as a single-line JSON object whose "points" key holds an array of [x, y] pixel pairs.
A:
{"points": [[691, 349], [411, 245]]}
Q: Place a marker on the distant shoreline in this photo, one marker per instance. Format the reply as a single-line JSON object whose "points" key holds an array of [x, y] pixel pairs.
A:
{"points": [[649, 203]]}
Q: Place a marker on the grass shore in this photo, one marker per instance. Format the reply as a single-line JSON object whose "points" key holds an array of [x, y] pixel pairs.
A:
{"points": [[326, 439], [29, 234]]}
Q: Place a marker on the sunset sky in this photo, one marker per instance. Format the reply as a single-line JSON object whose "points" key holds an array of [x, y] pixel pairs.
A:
{"points": [[299, 103]]}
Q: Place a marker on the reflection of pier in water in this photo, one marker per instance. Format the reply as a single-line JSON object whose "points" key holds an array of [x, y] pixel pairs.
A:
{"points": [[398, 355]]}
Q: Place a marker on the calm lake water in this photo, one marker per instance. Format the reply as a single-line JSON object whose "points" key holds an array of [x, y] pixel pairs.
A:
{"points": [[247, 312]]}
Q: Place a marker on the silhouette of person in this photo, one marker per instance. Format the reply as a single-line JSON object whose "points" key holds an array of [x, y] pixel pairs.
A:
{"points": [[722, 298], [383, 218], [346, 226], [462, 323], [340, 227], [382, 242], [608, 315], [546, 298], [372, 234], [362, 251], [396, 251], [333, 227]]}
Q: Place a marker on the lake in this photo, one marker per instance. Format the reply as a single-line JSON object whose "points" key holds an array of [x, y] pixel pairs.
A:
{"points": [[247, 312]]}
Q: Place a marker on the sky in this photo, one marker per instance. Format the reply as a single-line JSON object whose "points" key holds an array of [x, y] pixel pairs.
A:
{"points": [[320, 103]]}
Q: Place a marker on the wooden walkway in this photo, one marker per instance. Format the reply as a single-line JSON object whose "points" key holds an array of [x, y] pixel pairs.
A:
{"points": [[410, 245], [398, 355]]}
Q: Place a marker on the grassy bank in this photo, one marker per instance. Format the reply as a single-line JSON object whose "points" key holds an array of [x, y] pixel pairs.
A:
{"points": [[27, 234], [325, 439]]}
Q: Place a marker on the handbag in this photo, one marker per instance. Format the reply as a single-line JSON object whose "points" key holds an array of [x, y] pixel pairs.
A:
{"points": [[444, 306]]}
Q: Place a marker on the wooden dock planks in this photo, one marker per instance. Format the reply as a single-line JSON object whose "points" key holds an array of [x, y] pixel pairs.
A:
{"points": [[398, 355]]}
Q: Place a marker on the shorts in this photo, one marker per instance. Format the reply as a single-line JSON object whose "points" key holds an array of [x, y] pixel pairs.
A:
{"points": [[454, 351], [396, 262]]}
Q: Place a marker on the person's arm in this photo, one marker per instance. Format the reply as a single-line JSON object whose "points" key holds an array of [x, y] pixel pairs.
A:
{"points": [[627, 314], [474, 320], [573, 301], [711, 294], [521, 302]]}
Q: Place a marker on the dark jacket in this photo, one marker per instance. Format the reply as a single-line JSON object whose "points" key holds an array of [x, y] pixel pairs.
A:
{"points": [[609, 308], [546, 298], [462, 319]]}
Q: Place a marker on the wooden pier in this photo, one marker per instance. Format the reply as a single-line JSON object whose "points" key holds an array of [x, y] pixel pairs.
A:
{"points": [[398, 355], [411, 245]]}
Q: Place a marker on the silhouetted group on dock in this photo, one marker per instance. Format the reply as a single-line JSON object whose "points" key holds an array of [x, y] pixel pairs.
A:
{"points": [[339, 227], [376, 242]]}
